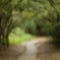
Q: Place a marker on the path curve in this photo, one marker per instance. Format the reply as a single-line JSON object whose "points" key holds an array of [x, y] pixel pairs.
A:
{"points": [[36, 49], [32, 48]]}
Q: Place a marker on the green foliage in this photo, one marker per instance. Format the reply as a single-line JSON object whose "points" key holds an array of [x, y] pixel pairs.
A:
{"points": [[41, 17], [38, 12], [29, 26], [48, 28], [18, 36], [36, 17]]}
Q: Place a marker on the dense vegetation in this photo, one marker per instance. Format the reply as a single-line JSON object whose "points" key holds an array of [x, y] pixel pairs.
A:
{"points": [[36, 17]]}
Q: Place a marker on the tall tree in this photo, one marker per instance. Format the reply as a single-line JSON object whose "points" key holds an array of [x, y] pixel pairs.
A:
{"points": [[5, 21]]}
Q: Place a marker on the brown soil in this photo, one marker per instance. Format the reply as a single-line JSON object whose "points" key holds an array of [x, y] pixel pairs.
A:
{"points": [[40, 46]]}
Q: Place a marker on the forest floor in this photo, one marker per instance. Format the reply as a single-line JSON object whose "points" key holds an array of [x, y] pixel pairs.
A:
{"points": [[36, 49]]}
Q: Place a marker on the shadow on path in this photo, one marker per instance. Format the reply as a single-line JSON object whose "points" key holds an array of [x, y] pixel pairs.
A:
{"points": [[36, 49]]}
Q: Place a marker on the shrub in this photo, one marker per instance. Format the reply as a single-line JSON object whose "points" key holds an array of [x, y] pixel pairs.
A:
{"points": [[56, 35]]}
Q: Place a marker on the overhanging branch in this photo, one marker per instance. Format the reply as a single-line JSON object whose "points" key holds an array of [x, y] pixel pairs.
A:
{"points": [[52, 3]]}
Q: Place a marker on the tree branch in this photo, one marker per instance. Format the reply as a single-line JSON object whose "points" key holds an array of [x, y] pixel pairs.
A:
{"points": [[52, 3]]}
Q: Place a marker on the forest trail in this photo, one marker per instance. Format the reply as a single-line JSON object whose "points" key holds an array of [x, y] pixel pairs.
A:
{"points": [[32, 48], [36, 49]]}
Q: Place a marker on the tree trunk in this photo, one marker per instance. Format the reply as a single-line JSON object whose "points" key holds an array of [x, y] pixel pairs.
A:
{"points": [[3, 37], [4, 43]]}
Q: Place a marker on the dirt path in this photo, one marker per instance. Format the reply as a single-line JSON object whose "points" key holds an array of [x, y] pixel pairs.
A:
{"points": [[30, 53], [32, 48], [36, 49]]}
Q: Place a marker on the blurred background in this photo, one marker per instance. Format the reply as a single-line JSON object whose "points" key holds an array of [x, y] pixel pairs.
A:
{"points": [[22, 20]]}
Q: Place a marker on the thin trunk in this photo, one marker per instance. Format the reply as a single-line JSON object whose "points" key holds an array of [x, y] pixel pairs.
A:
{"points": [[7, 40], [5, 43], [3, 38]]}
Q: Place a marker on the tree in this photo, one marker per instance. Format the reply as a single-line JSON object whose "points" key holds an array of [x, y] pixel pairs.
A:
{"points": [[37, 17], [56, 30], [5, 21]]}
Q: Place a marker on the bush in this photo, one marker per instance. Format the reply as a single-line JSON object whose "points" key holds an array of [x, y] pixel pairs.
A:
{"points": [[29, 26], [56, 35]]}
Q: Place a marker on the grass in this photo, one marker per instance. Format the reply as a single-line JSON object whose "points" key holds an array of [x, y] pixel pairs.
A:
{"points": [[19, 36]]}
